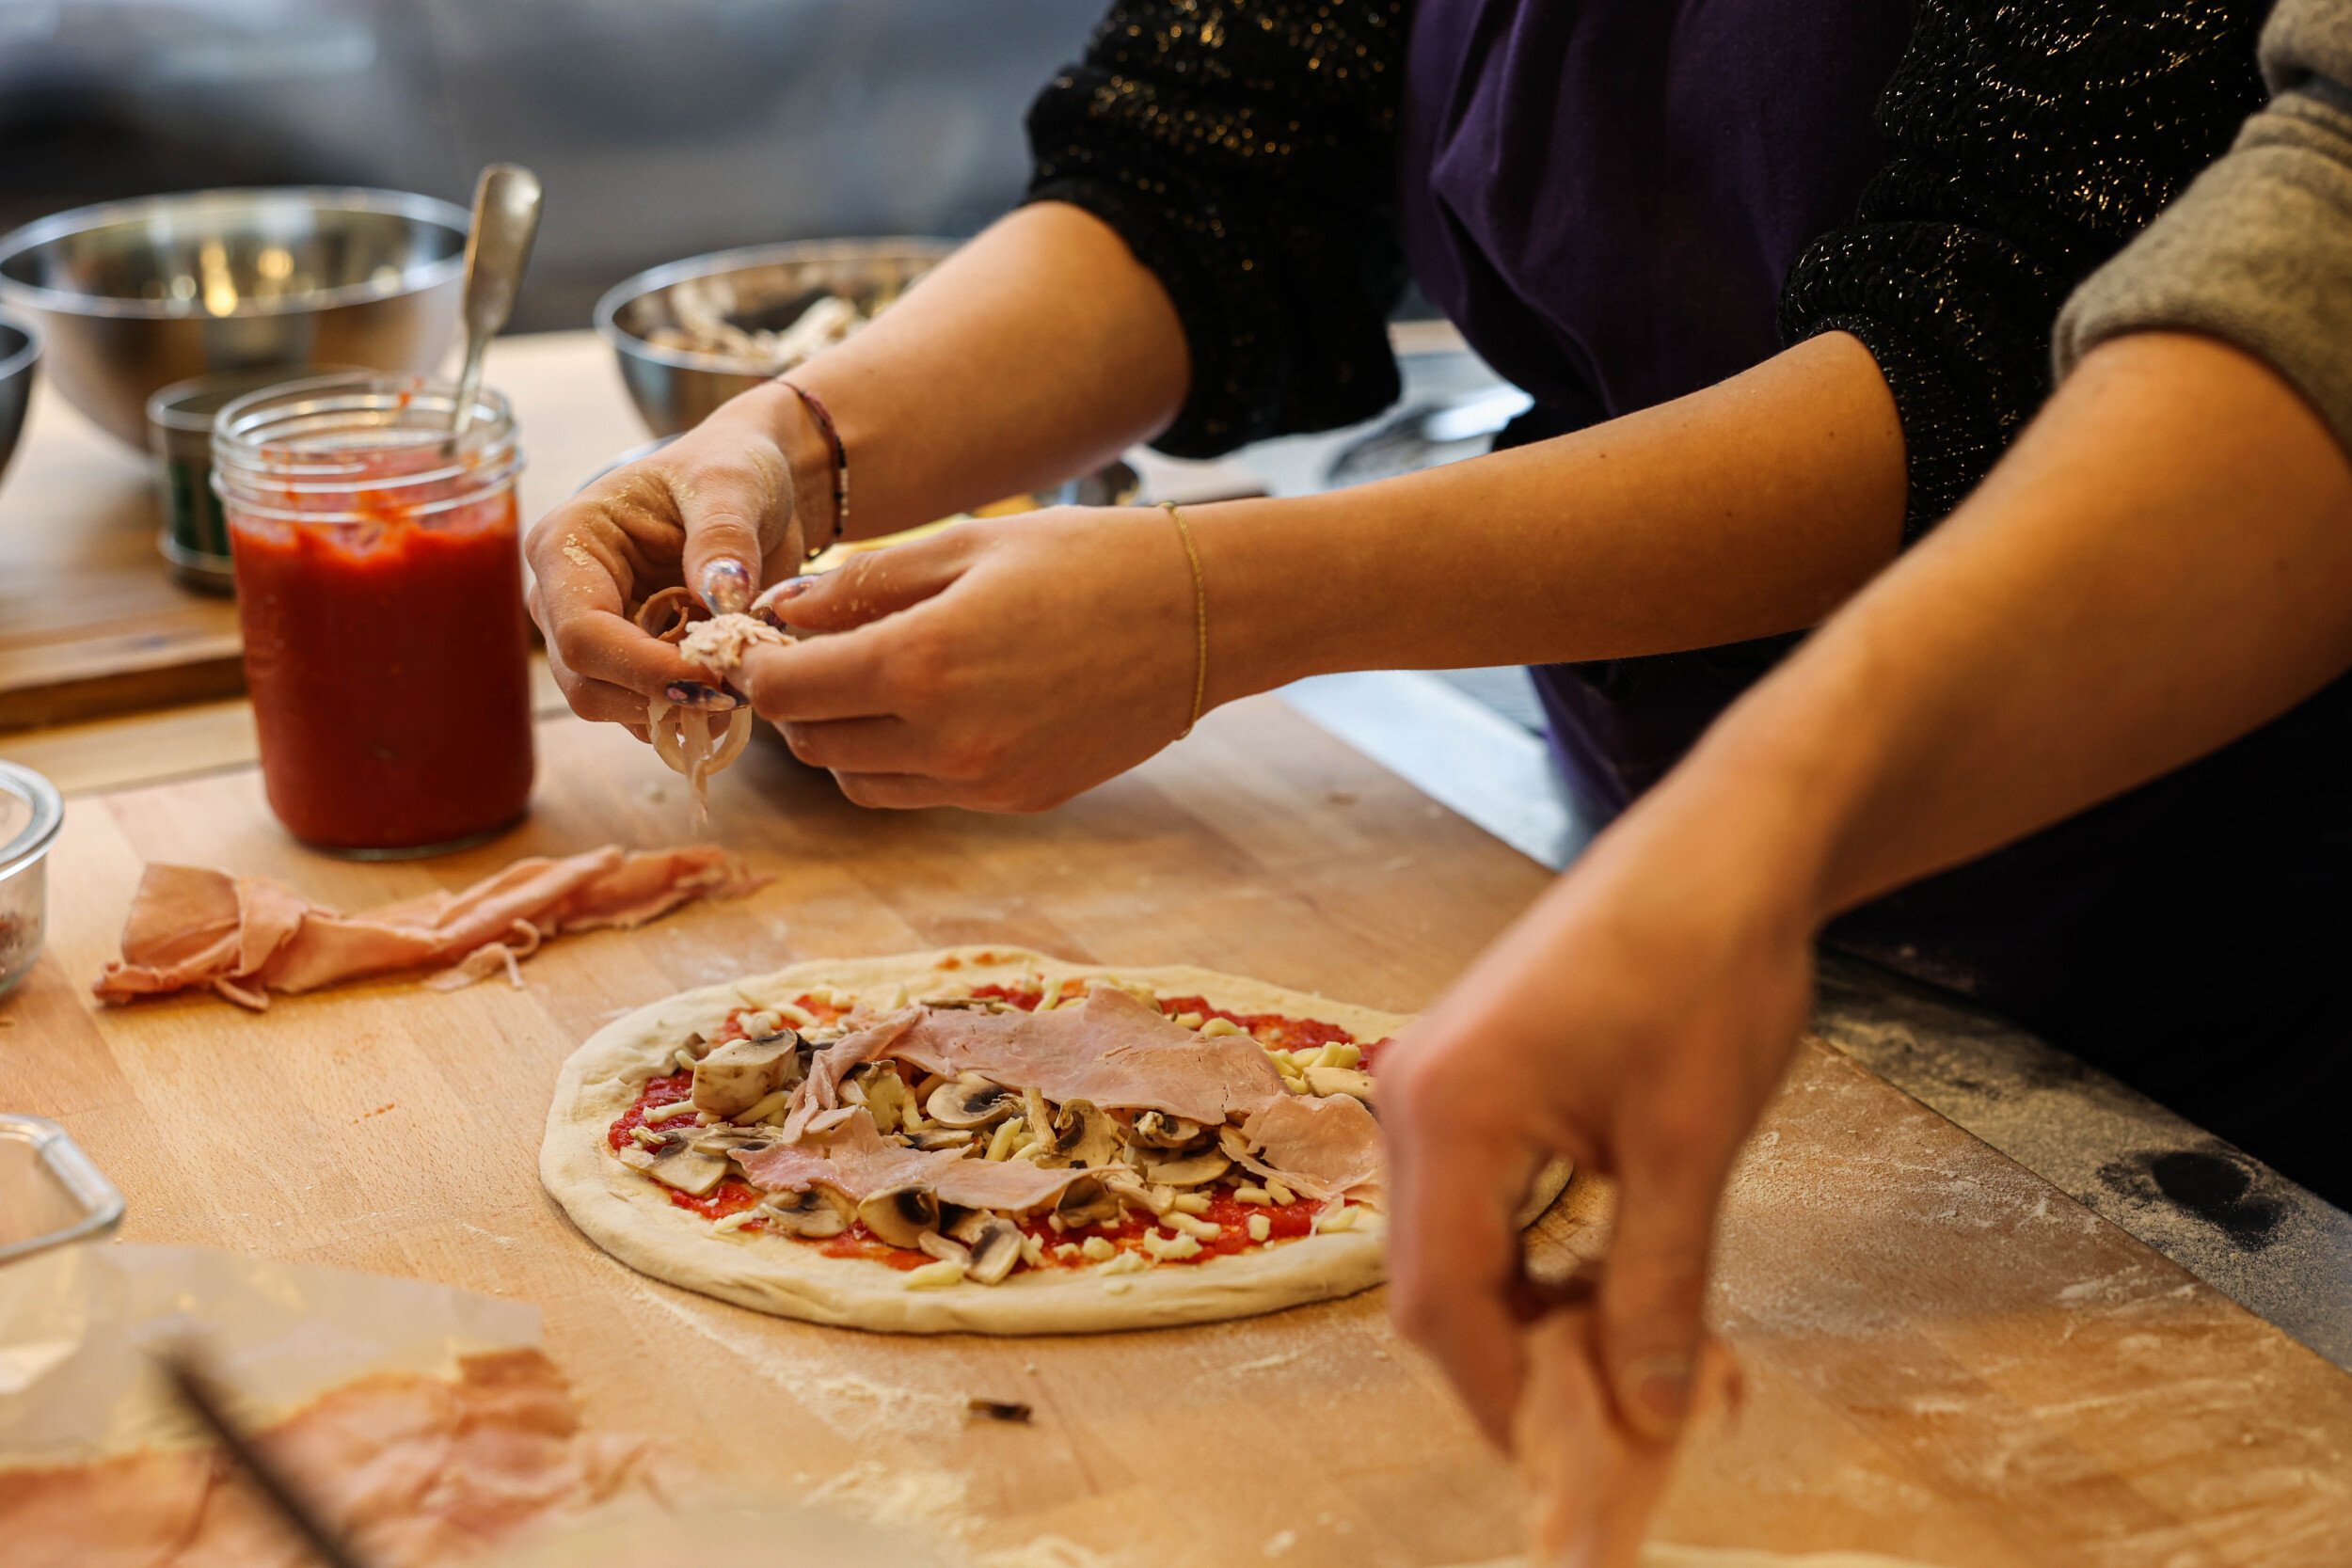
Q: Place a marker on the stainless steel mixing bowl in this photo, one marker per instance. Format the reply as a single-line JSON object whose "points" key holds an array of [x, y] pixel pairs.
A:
{"points": [[772, 284], [20, 354], [138, 294]]}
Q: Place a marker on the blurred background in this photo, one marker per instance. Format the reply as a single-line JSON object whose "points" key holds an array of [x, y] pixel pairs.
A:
{"points": [[661, 128]]}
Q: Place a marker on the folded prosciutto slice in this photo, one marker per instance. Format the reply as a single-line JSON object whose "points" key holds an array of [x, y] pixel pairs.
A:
{"points": [[856, 1159], [1110, 1049], [1320, 1144], [247, 936], [415, 1472]]}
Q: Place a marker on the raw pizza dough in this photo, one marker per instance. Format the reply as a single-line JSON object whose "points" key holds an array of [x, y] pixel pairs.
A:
{"points": [[1659, 1554], [631, 1217]]}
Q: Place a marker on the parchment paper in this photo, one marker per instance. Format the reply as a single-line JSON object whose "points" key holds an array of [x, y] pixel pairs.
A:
{"points": [[75, 1379]]}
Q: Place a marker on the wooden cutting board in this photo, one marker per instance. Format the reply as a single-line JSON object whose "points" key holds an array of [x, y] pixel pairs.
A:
{"points": [[1946, 1358]]}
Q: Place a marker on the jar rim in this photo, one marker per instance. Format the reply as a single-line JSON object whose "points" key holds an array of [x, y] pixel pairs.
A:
{"points": [[32, 840], [272, 446]]}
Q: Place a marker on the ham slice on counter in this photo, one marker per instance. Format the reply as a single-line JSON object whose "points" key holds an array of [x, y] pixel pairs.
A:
{"points": [[247, 936], [1109, 1049], [856, 1159], [412, 1469]]}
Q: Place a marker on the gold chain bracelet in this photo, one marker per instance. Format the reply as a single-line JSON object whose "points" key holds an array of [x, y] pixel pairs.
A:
{"points": [[1200, 618]]}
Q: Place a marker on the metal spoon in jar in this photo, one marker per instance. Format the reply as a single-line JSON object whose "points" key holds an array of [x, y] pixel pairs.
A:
{"points": [[498, 248]]}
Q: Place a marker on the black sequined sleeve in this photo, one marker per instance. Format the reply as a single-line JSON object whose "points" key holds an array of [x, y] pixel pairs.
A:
{"points": [[1245, 150], [2029, 142]]}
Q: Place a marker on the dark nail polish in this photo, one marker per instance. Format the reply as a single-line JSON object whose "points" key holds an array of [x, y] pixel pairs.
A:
{"points": [[694, 694], [726, 587]]}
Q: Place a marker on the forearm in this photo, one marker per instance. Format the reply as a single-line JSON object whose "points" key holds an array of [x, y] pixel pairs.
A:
{"points": [[1753, 507], [2162, 563], [1041, 350]]}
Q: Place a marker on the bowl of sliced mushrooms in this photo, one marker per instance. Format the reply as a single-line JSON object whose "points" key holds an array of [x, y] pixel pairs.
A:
{"points": [[692, 334]]}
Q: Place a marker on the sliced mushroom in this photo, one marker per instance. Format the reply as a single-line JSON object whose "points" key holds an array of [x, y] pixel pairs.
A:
{"points": [[964, 1225], [726, 1138], [995, 1252], [1087, 1201], [944, 1137], [946, 1248], [1135, 1190], [883, 1092], [1083, 1135], [971, 1101], [741, 1074], [676, 1164], [815, 1215], [1340, 1080], [1158, 1129], [901, 1215], [1190, 1170]]}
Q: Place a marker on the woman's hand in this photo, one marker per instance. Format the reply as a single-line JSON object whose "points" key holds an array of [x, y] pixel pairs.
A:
{"points": [[1635, 1021], [713, 510], [1004, 665]]}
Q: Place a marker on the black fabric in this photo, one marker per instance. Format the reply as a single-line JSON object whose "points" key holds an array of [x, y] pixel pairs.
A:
{"points": [[2183, 935], [1246, 152], [2186, 937], [2031, 141]]}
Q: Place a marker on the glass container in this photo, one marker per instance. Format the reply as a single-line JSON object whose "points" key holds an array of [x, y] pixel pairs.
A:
{"points": [[30, 816], [51, 1194], [379, 586]]}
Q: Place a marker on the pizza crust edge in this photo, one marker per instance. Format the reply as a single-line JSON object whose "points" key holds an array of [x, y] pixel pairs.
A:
{"points": [[631, 1217]]}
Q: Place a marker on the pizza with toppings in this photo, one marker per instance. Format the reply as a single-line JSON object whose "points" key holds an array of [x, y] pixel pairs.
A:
{"points": [[986, 1140]]}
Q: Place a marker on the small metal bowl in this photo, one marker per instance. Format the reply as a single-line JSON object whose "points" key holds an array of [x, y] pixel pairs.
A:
{"points": [[19, 356], [674, 389], [30, 815], [135, 296], [194, 536]]}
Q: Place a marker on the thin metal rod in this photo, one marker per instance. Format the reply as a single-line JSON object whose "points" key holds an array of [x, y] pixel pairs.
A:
{"points": [[201, 1394]]}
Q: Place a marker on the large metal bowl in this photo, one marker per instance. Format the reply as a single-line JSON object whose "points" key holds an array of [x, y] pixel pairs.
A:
{"points": [[20, 354], [135, 296], [674, 389]]}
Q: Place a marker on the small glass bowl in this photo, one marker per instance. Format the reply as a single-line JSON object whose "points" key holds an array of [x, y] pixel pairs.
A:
{"points": [[30, 816]]}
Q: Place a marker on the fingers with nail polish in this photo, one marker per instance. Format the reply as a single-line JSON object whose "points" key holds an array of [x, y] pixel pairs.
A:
{"points": [[726, 586], [709, 699], [764, 608]]}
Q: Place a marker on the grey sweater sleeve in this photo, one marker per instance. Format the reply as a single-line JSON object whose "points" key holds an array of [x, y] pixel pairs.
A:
{"points": [[2258, 250]]}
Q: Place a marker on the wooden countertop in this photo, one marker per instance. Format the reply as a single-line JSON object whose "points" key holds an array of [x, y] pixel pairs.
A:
{"points": [[1946, 1358]]}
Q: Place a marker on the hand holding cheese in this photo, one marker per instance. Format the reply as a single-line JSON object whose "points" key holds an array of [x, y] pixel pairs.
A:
{"points": [[1039, 350], [723, 490], [1592, 1480], [1646, 1057], [1003, 664]]}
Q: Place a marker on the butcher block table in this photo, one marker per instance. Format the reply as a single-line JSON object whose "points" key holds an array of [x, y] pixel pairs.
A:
{"points": [[1946, 1359]]}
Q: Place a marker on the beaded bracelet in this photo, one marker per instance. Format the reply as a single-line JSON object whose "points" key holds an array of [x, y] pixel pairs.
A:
{"points": [[818, 411]]}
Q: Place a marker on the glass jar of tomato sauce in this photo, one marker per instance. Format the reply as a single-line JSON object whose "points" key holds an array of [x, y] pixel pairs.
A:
{"points": [[379, 585]]}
